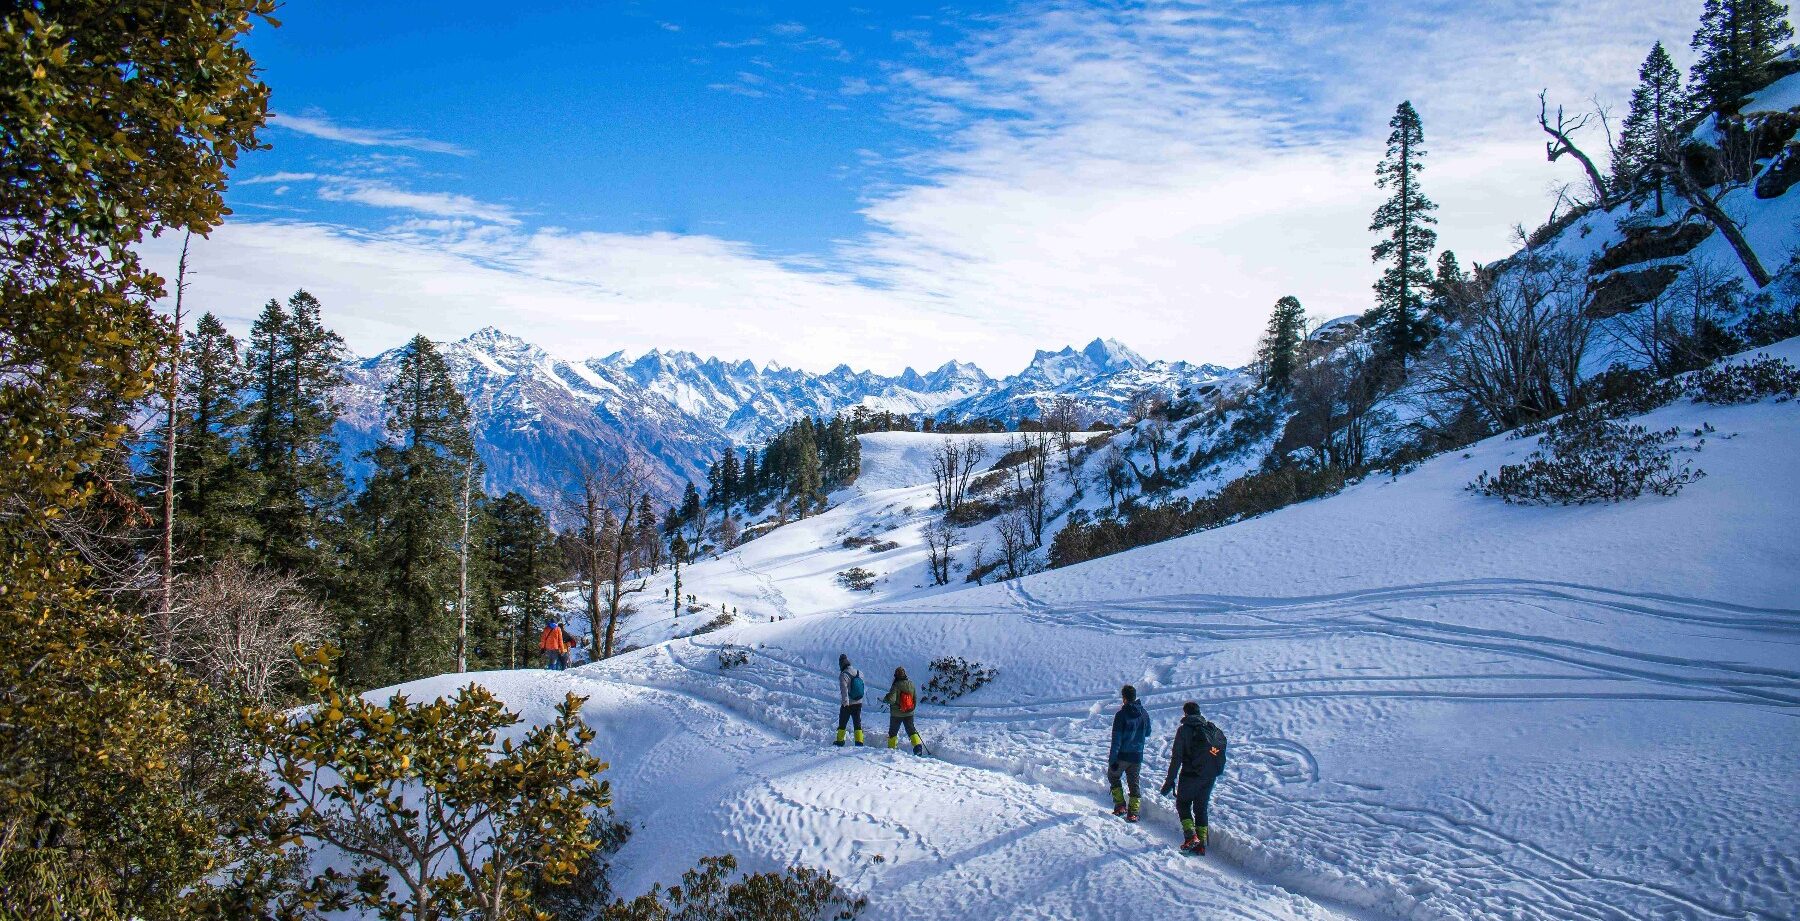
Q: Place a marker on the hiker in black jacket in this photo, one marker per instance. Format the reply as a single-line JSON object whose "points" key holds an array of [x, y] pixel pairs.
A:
{"points": [[1195, 763]]}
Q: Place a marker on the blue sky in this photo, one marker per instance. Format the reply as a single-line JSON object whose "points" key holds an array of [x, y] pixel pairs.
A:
{"points": [[884, 184]]}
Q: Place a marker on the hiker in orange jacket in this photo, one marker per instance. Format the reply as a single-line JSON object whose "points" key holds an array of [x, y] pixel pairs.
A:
{"points": [[555, 647]]}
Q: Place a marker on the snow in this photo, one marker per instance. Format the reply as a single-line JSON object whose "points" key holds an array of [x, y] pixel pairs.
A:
{"points": [[1780, 96], [1440, 706]]}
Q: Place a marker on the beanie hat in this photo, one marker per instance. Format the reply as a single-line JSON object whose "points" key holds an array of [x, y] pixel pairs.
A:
{"points": [[1128, 692], [1191, 708], [843, 661]]}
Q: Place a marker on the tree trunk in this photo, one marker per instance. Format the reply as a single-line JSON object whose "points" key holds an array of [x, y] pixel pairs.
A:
{"points": [[462, 571], [1734, 235], [165, 612]]}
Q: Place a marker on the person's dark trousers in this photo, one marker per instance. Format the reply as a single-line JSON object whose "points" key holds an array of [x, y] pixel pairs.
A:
{"points": [[894, 723], [1127, 769], [846, 716], [1192, 809]]}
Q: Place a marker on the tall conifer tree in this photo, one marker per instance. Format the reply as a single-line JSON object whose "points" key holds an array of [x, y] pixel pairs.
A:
{"points": [[1736, 42], [1657, 106], [214, 486], [1280, 351], [293, 363], [1405, 220], [410, 520]]}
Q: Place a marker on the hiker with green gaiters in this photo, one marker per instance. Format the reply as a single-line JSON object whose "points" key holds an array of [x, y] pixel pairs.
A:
{"points": [[1131, 727], [850, 699], [1198, 758], [902, 699]]}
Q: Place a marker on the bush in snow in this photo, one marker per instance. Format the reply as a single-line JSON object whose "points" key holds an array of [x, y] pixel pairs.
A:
{"points": [[1629, 391], [857, 579], [1585, 457], [423, 795], [797, 894], [719, 622], [731, 655], [1747, 382], [883, 546], [854, 541], [954, 676]]}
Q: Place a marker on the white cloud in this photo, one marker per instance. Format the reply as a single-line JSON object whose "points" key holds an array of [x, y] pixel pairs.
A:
{"points": [[1160, 172], [577, 294], [378, 194], [319, 126]]}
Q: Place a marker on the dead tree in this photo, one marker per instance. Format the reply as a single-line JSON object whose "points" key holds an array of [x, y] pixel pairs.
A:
{"points": [[1732, 162], [604, 504], [940, 541], [239, 626], [1562, 142], [165, 610]]}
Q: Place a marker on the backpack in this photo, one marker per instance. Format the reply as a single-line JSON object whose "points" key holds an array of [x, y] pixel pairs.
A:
{"points": [[906, 701], [856, 687], [1214, 737]]}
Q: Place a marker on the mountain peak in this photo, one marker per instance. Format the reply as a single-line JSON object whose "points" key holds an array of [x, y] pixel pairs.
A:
{"points": [[1113, 355]]}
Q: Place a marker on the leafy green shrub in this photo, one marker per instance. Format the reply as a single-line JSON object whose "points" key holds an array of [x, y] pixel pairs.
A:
{"points": [[954, 676], [439, 818], [798, 894], [1747, 382], [1585, 457]]}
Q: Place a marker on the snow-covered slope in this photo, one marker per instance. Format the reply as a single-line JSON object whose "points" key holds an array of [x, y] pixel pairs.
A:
{"points": [[1440, 706]]}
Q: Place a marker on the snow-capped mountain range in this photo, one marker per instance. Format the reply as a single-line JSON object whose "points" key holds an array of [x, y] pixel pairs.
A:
{"points": [[538, 417]]}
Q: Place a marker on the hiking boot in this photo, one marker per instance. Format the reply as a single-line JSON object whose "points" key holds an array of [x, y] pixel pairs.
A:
{"points": [[839, 743], [1131, 817], [1192, 842], [1118, 809], [919, 750]]}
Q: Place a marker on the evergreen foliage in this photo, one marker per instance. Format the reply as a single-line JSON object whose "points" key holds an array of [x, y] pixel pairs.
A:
{"points": [[519, 556], [441, 819], [801, 464], [102, 816], [1280, 350], [1405, 221], [1658, 105], [1736, 42], [294, 367], [409, 520], [215, 490]]}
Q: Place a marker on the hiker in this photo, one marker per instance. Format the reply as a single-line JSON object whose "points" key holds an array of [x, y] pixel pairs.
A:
{"points": [[554, 646], [902, 699], [850, 699], [1130, 728], [1199, 756]]}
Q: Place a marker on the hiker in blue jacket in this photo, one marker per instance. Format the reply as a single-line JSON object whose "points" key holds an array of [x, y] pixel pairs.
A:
{"points": [[850, 699], [1130, 729]]}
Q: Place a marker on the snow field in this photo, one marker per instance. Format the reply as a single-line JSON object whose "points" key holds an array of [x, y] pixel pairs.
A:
{"points": [[1440, 706]]}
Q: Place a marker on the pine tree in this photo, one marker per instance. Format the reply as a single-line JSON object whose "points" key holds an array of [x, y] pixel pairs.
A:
{"points": [[1657, 106], [1280, 351], [1405, 219], [519, 561], [690, 503], [293, 363], [214, 488], [410, 519], [1737, 40]]}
